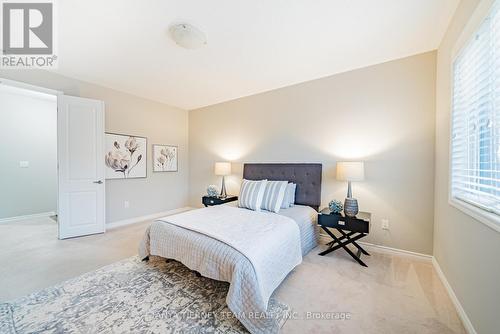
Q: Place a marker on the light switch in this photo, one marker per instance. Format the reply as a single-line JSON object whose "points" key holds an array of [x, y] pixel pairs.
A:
{"points": [[24, 164], [385, 224]]}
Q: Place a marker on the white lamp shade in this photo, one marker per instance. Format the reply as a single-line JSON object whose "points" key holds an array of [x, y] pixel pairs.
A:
{"points": [[350, 171], [222, 168]]}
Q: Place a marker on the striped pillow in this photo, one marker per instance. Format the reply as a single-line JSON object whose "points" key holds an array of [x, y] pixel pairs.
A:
{"points": [[251, 194], [274, 195], [289, 199]]}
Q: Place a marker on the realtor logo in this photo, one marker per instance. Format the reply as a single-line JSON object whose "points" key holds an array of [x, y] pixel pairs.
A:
{"points": [[28, 35], [27, 28]]}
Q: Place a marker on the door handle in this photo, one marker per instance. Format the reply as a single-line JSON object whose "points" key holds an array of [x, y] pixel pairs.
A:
{"points": [[98, 182]]}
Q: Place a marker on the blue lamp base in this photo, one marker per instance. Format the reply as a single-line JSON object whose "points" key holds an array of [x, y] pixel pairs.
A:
{"points": [[351, 208]]}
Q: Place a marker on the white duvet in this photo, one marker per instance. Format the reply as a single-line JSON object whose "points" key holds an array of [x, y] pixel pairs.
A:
{"points": [[269, 241]]}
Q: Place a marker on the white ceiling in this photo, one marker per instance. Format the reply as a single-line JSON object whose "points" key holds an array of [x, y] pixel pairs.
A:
{"points": [[253, 45]]}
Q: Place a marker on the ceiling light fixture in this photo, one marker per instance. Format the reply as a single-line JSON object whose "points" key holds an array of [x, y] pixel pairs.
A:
{"points": [[187, 36]]}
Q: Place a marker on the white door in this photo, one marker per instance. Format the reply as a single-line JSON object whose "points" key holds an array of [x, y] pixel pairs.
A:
{"points": [[80, 126]]}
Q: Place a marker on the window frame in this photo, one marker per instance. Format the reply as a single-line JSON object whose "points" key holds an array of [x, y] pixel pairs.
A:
{"points": [[482, 215]]}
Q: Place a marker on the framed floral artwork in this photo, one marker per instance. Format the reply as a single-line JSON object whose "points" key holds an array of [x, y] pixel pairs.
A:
{"points": [[165, 158], [125, 156]]}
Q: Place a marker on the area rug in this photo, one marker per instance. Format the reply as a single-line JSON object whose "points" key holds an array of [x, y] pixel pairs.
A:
{"points": [[129, 296]]}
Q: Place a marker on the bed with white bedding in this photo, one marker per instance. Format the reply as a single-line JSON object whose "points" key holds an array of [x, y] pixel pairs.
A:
{"points": [[306, 219], [253, 251]]}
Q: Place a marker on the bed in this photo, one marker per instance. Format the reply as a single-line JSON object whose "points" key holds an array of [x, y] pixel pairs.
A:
{"points": [[219, 242]]}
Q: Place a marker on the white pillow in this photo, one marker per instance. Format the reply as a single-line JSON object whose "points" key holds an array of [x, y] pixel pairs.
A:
{"points": [[251, 194], [289, 199], [291, 194], [274, 195]]}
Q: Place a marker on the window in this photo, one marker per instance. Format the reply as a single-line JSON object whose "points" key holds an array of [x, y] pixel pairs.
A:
{"points": [[475, 140]]}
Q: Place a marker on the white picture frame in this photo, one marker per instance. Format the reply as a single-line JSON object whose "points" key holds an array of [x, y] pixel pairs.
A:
{"points": [[165, 158], [126, 156]]}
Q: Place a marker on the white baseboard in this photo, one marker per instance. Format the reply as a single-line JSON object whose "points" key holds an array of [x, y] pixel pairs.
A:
{"points": [[141, 219], [33, 216], [384, 249], [460, 310], [396, 251]]}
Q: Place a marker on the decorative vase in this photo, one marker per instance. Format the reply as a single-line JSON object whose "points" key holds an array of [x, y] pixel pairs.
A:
{"points": [[351, 207], [335, 206], [212, 191]]}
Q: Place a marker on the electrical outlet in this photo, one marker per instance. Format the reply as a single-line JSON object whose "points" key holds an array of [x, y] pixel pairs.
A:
{"points": [[24, 164], [385, 224], [126, 204]]}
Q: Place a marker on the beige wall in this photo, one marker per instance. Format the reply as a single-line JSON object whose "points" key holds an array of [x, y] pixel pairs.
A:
{"points": [[128, 114], [467, 250], [382, 114]]}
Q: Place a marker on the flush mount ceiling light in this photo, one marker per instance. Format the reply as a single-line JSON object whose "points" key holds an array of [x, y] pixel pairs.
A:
{"points": [[187, 36]]}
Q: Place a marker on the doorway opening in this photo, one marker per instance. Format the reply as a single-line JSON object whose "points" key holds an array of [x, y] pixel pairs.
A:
{"points": [[51, 160], [28, 151]]}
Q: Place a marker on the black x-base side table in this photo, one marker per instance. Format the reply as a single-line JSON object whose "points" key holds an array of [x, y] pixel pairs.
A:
{"points": [[351, 229]]}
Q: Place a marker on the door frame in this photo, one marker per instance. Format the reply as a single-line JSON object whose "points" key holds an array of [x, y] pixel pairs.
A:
{"points": [[58, 94], [24, 85]]}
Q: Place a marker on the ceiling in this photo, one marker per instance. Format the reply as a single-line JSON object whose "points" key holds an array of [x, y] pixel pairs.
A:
{"points": [[253, 46]]}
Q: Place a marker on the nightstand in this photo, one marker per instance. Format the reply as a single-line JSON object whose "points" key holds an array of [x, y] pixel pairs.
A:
{"points": [[350, 228], [210, 201]]}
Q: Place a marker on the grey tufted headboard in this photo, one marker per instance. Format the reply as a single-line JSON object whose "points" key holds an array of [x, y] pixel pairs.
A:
{"points": [[307, 176]]}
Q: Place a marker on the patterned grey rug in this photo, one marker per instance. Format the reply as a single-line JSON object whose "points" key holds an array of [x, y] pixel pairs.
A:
{"points": [[129, 296]]}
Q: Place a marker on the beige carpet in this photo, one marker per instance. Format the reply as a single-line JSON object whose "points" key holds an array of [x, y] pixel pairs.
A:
{"points": [[331, 294]]}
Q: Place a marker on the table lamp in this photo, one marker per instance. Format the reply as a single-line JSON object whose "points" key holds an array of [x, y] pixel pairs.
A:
{"points": [[223, 169], [350, 171]]}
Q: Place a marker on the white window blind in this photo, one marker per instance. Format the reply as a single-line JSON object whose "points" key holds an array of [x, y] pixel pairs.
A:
{"points": [[475, 141]]}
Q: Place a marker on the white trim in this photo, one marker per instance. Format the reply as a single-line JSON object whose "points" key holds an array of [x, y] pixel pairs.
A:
{"points": [[469, 328], [24, 85], [476, 19], [396, 251], [141, 219], [488, 218], [25, 217], [384, 249]]}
